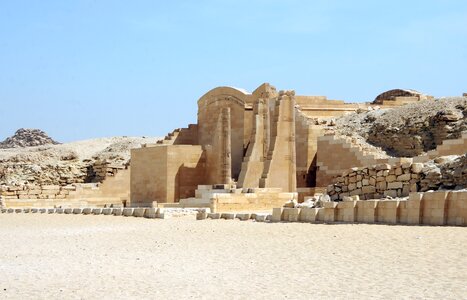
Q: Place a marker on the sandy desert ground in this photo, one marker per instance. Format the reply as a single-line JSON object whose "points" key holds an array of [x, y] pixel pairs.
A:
{"points": [[106, 257]]}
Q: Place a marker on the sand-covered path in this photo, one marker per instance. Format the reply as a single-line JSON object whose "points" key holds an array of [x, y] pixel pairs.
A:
{"points": [[106, 257]]}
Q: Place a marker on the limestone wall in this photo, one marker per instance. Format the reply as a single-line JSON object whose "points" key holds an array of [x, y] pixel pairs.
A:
{"points": [[165, 173], [377, 181], [336, 154], [209, 109], [113, 191], [399, 180], [431, 208]]}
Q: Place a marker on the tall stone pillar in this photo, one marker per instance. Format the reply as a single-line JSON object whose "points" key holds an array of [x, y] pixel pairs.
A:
{"points": [[253, 162], [280, 169], [226, 149]]}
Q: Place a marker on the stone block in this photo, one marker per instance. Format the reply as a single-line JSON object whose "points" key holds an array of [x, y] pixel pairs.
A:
{"points": [[435, 208], [117, 211], [403, 177], [26, 210], [388, 211], [383, 167], [77, 211], [277, 214], [261, 217], [368, 189], [34, 210], [18, 210], [214, 216], [128, 211], [87, 211], [356, 192], [366, 211], [60, 211], [308, 214], [139, 212], [382, 186], [201, 215], [151, 212], [346, 211], [390, 193], [97, 211], [243, 216], [43, 210], [107, 211], [228, 216], [391, 178], [398, 171], [51, 210], [161, 214], [291, 214], [395, 185], [417, 168], [414, 208], [330, 214]]}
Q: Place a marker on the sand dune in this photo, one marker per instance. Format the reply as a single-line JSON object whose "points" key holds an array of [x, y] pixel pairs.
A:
{"points": [[88, 257]]}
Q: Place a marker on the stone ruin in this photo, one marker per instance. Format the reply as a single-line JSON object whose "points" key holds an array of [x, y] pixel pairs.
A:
{"points": [[255, 151], [27, 138]]}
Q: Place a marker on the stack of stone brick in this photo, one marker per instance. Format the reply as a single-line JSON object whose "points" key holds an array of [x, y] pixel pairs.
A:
{"points": [[28, 192], [103, 168], [377, 181], [384, 180]]}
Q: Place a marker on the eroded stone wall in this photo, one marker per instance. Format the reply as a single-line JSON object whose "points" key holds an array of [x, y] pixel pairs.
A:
{"points": [[384, 180]]}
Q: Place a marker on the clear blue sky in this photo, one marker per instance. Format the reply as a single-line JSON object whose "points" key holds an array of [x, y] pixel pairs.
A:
{"points": [[85, 69]]}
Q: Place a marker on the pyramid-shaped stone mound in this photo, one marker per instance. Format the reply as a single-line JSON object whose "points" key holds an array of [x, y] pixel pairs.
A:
{"points": [[27, 138]]}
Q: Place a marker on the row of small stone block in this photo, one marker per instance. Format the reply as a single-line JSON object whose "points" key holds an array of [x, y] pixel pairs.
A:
{"points": [[202, 215], [141, 212]]}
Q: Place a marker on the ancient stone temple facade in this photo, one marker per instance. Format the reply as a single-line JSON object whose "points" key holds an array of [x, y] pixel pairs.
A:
{"points": [[264, 139]]}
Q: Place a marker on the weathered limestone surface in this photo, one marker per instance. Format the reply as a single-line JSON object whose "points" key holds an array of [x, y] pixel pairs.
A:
{"points": [[436, 208], [384, 180], [263, 139]]}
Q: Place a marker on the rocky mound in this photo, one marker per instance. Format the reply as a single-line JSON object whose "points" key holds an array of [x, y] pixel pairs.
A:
{"points": [[27, 138], [76, 162], [409, 130]]}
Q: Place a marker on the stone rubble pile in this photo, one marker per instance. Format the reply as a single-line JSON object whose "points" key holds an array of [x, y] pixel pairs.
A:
{"points": [[27, 138], [309, 202], [386, 181], [408, 131], [58, 173], [88, 161], [405, 131]]}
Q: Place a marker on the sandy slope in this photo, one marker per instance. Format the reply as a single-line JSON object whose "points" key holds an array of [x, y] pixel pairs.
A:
{"points": [[67, 256]]}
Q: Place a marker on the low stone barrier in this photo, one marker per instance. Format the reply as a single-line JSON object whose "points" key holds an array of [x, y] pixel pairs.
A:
{"points": [[140, 212], [431, 208]]}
